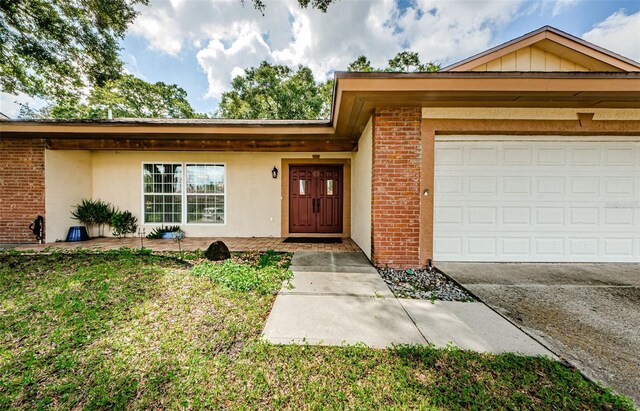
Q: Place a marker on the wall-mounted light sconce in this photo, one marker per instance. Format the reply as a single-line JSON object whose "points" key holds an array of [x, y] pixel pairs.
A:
{"points": [[425, 192], [274, 172]]}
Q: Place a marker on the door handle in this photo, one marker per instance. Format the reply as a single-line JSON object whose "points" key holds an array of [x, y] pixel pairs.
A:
{"points": [[313, 205], [318, 205]]}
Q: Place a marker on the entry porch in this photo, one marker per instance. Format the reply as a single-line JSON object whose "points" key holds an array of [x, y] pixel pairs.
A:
{"points": [[346, 245]]}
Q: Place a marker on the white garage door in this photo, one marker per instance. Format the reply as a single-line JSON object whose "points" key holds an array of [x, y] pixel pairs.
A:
{"points": [[546, 201]]}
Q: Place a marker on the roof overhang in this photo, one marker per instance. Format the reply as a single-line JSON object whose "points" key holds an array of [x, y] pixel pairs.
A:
{"points": [[355, 98]]}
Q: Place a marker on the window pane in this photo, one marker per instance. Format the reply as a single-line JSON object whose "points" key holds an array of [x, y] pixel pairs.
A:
{"points": [[205, 179], [205, 209], [162, 208], [303, 185], [162, 178], [329, 187]]}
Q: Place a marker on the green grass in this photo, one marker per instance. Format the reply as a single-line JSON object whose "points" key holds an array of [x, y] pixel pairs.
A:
{"points": [[122, 330]]}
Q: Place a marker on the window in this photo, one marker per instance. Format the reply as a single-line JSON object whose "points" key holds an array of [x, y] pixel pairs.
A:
{"points": [[162, 193], [329, 187], [201, 187], [205, 193]]}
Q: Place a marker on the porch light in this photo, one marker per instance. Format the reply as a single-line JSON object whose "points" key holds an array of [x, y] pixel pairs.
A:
{"points": [[274, 172]]}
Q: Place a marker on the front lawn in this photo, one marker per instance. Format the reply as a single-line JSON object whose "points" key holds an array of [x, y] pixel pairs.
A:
{"points": [[125, 330]]}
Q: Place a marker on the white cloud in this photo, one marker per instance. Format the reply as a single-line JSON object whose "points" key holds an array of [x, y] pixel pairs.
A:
{"points": [[560, 6], [245, 48], [449, 31], [619, 33], [229, 37]]}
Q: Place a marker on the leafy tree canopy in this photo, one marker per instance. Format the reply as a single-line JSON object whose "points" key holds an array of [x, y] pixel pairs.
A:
{"points": [[127, 96], [361, 64], [276, 92], [405, 61], [53, 48]]}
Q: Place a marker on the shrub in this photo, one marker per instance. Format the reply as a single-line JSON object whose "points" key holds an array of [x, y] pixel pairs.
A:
{"points": [[93, 212], [243, 277], [123, 223]]}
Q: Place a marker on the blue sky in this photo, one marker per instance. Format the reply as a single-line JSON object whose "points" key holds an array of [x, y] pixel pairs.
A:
{"points": [[201, 44]]}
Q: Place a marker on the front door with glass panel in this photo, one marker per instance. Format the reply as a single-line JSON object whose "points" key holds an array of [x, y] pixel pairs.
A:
{"points": [[315, 199]]}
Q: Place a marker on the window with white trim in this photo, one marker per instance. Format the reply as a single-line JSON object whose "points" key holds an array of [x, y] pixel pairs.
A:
{"points": [[169, 186], [205, 193], [162, 187]]}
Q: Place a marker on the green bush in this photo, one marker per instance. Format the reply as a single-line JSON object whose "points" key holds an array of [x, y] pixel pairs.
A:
{"points": [[243, 277], [93, 212], [123, 223]]}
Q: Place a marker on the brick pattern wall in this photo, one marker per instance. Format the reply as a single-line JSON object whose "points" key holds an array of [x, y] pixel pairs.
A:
{"points": [[21, 188], [396, 187]]}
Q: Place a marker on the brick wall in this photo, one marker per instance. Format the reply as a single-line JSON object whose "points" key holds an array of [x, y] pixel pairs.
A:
{"points": [[396, 187], [21, 188]]}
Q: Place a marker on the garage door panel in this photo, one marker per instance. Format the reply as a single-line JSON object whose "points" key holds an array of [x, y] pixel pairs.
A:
{"points": [[551, 156], [516, 155], [537, 201], [584, 156], [620, 156], [619, 186], [618, 246]]}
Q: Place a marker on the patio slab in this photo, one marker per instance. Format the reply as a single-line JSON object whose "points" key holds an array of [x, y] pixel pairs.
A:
{"points": [[339, 320], [333, 283], [470, 326], [193, 243]]}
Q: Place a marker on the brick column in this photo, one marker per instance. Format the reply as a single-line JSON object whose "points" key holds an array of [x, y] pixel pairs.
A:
{"points": [[397, 160], [21, 188]]}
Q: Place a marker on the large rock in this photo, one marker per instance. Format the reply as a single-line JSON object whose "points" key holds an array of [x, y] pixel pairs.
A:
{"points": [[217, 251]]}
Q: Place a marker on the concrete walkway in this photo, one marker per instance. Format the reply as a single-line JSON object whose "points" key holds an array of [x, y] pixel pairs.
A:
{"points": [[339, 298]]}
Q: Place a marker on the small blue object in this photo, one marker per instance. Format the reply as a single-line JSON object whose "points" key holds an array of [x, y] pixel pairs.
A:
{"points": [[170, 234], [77, 233]]}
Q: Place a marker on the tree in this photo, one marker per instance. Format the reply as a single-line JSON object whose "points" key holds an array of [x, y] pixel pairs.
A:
{"points": [[275, 92], [53, 48], [407, 61], [403, 62], [127, 96], [361, 64]]}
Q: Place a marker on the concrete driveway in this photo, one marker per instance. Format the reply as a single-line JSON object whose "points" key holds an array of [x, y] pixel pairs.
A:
{"points": [[588, 314]]}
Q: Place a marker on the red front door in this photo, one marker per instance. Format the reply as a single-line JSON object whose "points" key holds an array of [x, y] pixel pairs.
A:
{"points": [[315, 199]]}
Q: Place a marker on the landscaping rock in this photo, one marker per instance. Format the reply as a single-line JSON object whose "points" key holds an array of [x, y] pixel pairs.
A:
{"points": [[217, 251], [424, 285]]}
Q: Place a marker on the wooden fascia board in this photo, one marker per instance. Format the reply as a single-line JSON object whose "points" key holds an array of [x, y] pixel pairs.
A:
{"points": [[258, 132], [591, 52], [489, 84]]}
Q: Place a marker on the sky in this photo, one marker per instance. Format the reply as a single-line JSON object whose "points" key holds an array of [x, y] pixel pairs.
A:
{"points": [[201, 45]]}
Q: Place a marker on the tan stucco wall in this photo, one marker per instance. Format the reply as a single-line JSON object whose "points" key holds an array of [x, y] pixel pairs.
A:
{"points": [[253, 196], [530, 59], [67, 181], [517, 113], [361, 191]]}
